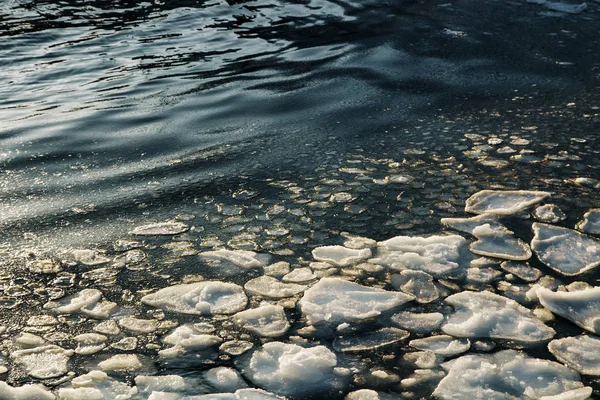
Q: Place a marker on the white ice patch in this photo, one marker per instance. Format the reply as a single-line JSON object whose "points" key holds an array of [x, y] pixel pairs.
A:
{"points": [[87, 302], [138, 325], [25, 392], [224, 379], [340, 256], [495, 240], [187, 338], [289, 369], [90, 343], [335, 301], [300, 275], [549, 213], [267, 320], [96, 385], [581, 307], [436, 255], [522, 270], [201, 298], [270, 287], [43, 362], [591, 222], [242, 258], [582, 353], [488, 315], [442, 345], [122, 363], [368, 394], [163, 383], [84, 256], [241, 394], [503, 202], [565, 250], [160, 229], [505, 375]]}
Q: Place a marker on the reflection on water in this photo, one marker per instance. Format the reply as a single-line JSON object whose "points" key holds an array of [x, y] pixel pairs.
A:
{"points": [[107, 104]]}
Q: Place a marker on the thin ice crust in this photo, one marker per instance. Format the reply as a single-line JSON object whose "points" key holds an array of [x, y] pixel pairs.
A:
{"points": [[503, 202]]}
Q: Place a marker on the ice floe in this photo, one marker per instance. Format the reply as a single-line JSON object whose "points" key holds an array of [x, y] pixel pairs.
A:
{"points": [[43, 362], [418, 322], [270, 287], [340, 256], [370, 341], [224, 379], [201, 298], [495, 240], [300, 275], [121, 363], [582, 353], [442, 345], [189, 343], [488, 315], [267, 320], [506, 375], [241, 258], [416, 283], [90, 343], [368, 394], [25, 392], [437, 255], [590, 223], [335, 301], [549, 213], [521, 270], [581, 307], [97, 385], [289, 369], [565, 250], [87, 301], [503, 202], [161, 228]]}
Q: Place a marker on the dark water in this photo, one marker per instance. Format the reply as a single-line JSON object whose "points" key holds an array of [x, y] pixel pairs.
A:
{"points": [[115, 114], [106, 105]]}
